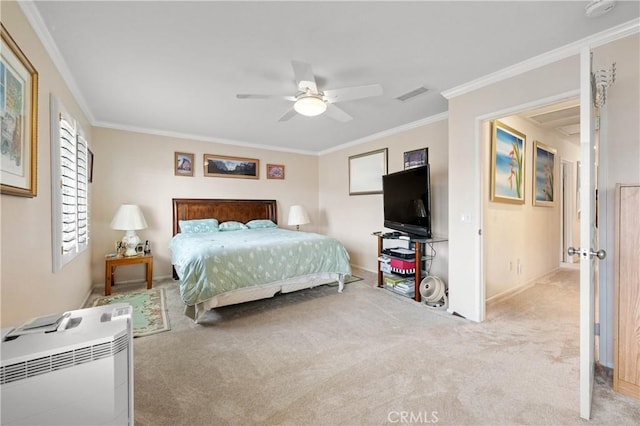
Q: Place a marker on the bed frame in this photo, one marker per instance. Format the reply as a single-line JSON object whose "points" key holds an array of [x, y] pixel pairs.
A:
{"points": [[223, 210], [242, 211]]}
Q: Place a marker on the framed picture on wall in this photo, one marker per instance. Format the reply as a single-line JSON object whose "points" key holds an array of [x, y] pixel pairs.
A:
{"points": [[544, 167], [416, 158], [275, 171], [183, 164], [507, 164], [366, 171], [231, 167], [19, 106], [90, 165]]}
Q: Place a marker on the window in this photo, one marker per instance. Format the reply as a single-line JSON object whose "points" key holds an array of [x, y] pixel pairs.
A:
{"points": [[69, 187]]}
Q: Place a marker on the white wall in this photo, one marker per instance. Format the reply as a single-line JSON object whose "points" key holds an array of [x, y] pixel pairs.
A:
{"points": [[619, 163], [352, 219], [523, 234], [137, 168], [28, 287]]}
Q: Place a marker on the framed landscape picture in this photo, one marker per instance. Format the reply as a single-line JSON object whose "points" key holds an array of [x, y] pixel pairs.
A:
{"points": [[507, 164], [231, 167], [183, 164], [544, 163], [275, 171], [19, 107]]}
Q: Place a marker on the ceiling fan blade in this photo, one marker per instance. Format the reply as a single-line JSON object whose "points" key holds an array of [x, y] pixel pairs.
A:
{"points": [[246, 96], [287, 115], [304, 77], [352, 93], [337, 113]]}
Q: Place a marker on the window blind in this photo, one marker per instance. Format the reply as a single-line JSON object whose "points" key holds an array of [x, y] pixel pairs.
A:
{"points": [[70, 191]]}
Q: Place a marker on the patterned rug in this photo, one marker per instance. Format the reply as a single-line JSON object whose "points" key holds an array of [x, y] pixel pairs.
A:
{"points": [[149, 311]]}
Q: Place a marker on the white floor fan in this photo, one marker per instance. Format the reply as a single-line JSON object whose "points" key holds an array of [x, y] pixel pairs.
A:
{"points": [[433, 292], [311, 101]]}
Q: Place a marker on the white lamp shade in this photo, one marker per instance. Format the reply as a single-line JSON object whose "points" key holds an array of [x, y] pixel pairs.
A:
{"points": [[298, 216], [129, 217], [310, 106]]}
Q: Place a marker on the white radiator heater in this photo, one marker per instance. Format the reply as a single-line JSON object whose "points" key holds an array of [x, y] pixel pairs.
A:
{"points": [[69, 369]]}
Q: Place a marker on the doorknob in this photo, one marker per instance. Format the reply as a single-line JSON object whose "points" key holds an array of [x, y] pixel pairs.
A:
{"points": [[601, 254]]}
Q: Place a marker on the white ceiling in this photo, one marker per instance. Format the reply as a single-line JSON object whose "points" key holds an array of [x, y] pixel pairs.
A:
{"points": [[175, 67]]}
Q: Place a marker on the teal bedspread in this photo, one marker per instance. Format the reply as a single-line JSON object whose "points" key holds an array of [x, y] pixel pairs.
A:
{"points": [[213, 263]]}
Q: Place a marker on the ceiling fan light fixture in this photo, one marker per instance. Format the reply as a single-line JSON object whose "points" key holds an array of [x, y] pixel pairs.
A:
{"points": [[310, 105]]}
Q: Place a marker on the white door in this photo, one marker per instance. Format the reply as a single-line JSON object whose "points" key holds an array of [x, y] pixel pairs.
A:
{"points": [[588, 235]]}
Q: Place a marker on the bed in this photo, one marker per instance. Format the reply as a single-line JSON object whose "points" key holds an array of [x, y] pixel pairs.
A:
{"points": [[221, 261]]}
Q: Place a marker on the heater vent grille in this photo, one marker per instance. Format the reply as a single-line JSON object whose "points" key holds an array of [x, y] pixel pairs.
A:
{"points": [[34, 367], [412, 94]]}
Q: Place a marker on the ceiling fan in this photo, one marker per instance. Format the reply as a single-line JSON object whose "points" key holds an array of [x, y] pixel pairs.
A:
{"points": [[310, 101]]}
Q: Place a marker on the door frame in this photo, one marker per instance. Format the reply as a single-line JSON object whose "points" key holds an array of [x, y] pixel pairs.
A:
{"points": [[484, 171]]}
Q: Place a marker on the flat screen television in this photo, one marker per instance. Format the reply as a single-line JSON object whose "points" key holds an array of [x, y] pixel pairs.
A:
{"points": [[407, 201]]}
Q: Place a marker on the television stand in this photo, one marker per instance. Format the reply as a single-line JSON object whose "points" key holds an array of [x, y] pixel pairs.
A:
{"points": [[394, 265]]}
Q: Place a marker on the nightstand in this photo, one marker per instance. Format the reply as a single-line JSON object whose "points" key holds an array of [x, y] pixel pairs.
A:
{"points": [[113, 262]]}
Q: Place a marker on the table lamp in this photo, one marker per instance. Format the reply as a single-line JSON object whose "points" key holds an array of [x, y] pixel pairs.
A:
{"points": [[298, 216], [129, 218]]}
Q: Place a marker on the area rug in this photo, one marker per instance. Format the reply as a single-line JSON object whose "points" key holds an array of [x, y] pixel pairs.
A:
{"points": [[149, 310]]}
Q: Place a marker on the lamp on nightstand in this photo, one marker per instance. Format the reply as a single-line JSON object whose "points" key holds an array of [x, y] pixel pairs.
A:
{"points": [[298, 216], [129, 218]]}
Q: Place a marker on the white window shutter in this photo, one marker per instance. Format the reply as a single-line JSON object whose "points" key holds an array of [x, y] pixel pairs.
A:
{"points": [[70, 191]]}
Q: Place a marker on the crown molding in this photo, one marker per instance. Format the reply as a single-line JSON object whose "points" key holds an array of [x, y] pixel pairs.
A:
{"points": [[39, 27], [595, 40], [389, 132], [194, 137]]}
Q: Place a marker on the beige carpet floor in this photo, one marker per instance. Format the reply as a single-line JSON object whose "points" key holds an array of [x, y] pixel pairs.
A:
{"points": [[370, 357]]}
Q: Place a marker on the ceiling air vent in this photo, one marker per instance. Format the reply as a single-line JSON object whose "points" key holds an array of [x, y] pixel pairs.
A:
{"points": [[412, 94]]}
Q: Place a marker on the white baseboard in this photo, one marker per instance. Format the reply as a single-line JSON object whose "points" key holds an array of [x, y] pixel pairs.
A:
{"points": [[507, 294]]}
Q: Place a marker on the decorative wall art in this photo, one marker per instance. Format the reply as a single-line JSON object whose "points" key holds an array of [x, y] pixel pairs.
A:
{"points": [[183, 164], [90, 164], [275, 171], [231, 167], [366, 171], [507, 164], [416, 158], [19, 110], [544, 161]]}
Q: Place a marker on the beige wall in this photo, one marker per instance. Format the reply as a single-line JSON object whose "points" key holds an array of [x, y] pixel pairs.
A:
{"points": [[353, 218], [523, 234], [137, 168], [28, 287]]}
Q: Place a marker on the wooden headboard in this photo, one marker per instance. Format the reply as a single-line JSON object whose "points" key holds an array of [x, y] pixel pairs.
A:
{"points": [[223, 210]]}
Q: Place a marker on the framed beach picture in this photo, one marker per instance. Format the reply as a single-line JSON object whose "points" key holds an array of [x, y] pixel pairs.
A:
{"points": [[231, 167], [19, 109], [183, 164], [275, 171], [507, 164], [544, 163], [416, 158], [366, 171]]}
